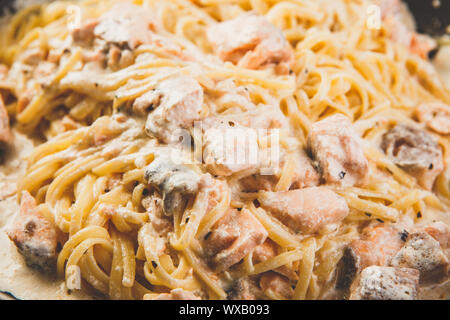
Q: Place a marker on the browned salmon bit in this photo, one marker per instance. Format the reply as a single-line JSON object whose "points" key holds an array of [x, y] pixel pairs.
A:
{"points": [[187, 150], [34, 236]]}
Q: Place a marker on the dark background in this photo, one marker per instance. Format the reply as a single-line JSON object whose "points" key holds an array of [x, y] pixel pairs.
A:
{"points": [[431, 20]]}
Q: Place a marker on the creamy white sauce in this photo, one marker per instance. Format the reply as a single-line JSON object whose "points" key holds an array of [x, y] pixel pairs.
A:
{"points": [[15, 277], [25, 283], [442, 64]]}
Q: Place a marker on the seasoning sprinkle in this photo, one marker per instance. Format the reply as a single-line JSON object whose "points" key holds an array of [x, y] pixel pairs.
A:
{"points": [[207, 235], [404, 235]]}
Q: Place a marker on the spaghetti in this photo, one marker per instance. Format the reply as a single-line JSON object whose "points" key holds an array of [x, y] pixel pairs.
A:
{"points": [[90, 174]]}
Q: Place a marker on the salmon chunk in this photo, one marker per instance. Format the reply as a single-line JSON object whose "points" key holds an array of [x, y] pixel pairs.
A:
{"points": [[417, 44], [177, 104], [338, 151], [304, 175], [234, 236], [176, 294], [230, 149], [250, 41], [161, 223], [390, 7], [436, 116], [387, 283], [147, 102], [377, 246], [119, 31], [118, 59], [176, 182], [126, 25], [267, 117], [422, 252], [84, 34], [4, 70], [114, 35], [44, 72], [245, 289], [305, 210], [34, 236], [264, 251], [416, 151], [33, 56], [276, 284], [267, 250], [5, 131], [439, 231], [258, 182], [399, 26]]}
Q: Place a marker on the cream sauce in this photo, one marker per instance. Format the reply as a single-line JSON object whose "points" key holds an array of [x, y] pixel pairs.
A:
{"points": [[15, 277], [442, 64]]}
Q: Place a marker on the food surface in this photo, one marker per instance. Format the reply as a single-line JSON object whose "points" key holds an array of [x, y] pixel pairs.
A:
{"points": [[203, 149]]}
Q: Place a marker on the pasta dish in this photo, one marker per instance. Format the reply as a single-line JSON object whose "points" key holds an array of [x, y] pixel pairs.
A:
{"points": [[222, 149]]}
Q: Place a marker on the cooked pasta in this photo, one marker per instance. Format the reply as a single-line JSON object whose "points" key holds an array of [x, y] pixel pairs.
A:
{"points": [[148, 212]]}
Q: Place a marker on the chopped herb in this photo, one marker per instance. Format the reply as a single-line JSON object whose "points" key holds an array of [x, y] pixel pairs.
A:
{"points": [[432, 53], [368, 214], [154, 264], [107, 190], [30, 226], [239, 209], [291, 71], [404, 235], [256, 203], [187, 219], [430, 167], [207, 235], [419, 214], [342, 175], [379, 220]]}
